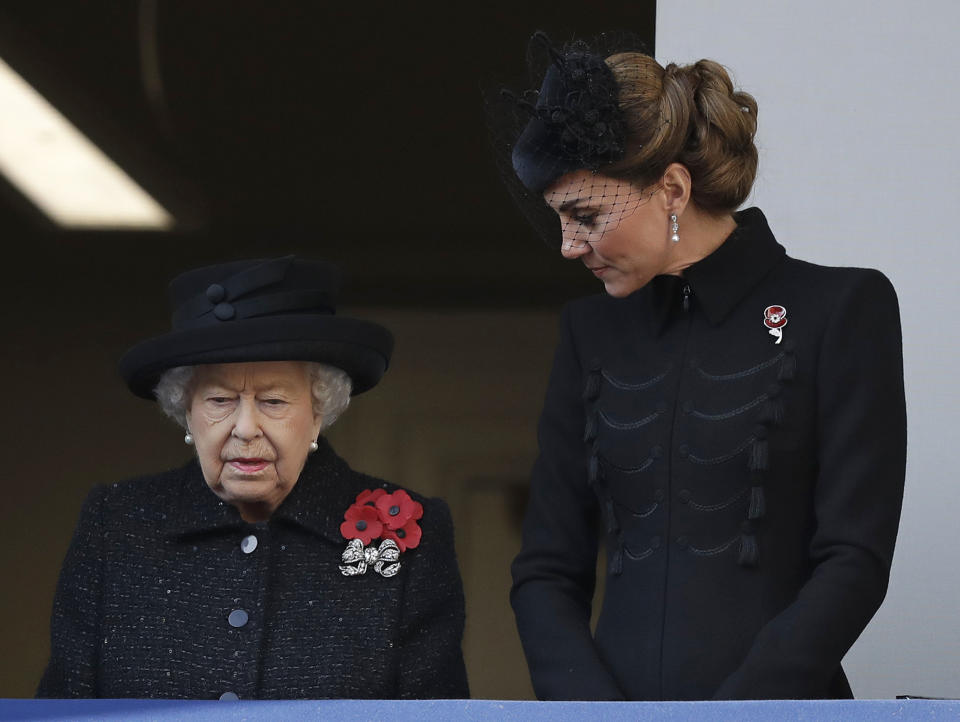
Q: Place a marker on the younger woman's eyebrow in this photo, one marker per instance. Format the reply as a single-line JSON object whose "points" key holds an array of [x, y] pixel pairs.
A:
{"points": [[571, 203]]}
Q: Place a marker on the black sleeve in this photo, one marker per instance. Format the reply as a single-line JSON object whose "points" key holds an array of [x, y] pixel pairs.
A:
{"points": [[555, 573], [861, 439], [75, 623], [431, 634]]}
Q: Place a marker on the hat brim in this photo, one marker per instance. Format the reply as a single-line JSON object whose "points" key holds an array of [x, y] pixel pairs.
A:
{"points": [[361, 348]]}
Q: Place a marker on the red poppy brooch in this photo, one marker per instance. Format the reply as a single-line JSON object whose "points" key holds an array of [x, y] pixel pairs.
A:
{"points": [[775, 318], [375, 514]]}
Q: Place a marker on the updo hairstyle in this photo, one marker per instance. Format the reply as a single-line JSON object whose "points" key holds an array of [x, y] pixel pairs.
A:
{"points": [[687, 114]]}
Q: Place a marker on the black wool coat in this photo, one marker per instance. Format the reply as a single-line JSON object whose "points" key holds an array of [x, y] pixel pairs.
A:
{"points": [[160, 572], [746, 485]]}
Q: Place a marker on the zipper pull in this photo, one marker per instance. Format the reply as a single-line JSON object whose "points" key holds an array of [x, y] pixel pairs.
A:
{"points": [[686, 296]]}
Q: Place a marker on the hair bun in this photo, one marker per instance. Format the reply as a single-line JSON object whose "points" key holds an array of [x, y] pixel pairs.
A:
{"points": [[689, 114], [721, 140]]}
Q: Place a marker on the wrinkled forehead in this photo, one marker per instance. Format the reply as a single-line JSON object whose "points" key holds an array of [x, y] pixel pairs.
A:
{"points": [[586, 188], [253, 375]]}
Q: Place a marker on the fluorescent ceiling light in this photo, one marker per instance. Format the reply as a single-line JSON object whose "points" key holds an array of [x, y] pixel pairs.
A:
{"points": [[64, 174]]}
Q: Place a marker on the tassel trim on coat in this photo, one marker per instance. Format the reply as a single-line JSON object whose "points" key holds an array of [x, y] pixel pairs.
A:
{"points": [[749, 551]]}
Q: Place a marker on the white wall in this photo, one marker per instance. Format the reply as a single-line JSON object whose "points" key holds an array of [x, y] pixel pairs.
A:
{"points": [[859, 123]]}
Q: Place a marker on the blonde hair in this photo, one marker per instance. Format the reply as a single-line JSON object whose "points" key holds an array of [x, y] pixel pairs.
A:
{"points": [[688, 114]]}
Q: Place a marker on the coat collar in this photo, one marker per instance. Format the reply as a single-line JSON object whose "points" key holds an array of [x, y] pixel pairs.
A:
{"points": [[721, 280], [326, 487]]}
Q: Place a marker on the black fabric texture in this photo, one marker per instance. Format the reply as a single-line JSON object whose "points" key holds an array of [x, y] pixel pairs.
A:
{"points": [[156, 568], [747, 493]]}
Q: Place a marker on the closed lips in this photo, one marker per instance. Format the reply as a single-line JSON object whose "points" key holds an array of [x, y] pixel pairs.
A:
{"points": [[249, 465]]}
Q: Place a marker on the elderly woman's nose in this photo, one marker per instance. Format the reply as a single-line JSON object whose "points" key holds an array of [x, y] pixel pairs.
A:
{"points": [[247, 424]]}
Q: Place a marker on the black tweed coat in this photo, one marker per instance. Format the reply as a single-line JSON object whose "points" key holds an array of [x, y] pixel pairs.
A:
{"points": [[746, 483], [157, 576]]}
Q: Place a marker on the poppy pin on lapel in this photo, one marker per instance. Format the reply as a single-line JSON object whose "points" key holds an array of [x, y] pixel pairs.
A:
{"points": [[775, 318]]}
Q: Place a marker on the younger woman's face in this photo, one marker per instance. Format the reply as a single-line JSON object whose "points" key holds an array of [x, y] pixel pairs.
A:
{"points": [[613, 226]]}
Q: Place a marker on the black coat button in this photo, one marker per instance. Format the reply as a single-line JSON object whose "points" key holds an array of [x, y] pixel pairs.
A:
{"points": [[216, 293], [229, 697], [658, 495], [684, 495], [224, 311], [682, 542], [683, 450], [238, 618]]}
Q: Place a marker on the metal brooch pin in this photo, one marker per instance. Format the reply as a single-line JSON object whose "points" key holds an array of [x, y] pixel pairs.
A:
{"points": [[775, 318]]}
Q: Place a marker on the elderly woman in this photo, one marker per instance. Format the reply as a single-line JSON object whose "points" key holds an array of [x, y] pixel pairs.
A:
{"points": [[727, 420], [265, 567]]}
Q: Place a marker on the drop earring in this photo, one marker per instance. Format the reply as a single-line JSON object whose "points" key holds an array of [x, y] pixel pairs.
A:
{"points": [[674, 228], [188, 439]]}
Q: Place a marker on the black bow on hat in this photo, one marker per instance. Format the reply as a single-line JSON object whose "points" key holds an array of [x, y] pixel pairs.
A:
{"points": [[260, 310]]}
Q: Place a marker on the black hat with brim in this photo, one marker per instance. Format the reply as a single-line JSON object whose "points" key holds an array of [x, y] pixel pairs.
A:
{"points": [[274, 310]]}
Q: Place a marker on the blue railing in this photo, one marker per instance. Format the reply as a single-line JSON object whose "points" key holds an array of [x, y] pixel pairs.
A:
{"points": [[480, 710]]}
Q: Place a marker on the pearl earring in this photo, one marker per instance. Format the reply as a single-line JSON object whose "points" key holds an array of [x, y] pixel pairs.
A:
{"points": [[188, 439], [674, 228], [314, 446]]}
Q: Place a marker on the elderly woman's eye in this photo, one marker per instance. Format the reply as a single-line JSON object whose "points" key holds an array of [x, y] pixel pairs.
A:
{"points": [[274, 402], [219, 399]]}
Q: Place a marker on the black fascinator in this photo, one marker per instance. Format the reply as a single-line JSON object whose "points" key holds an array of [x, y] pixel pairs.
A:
{"points": [[575, 122], [572, 122]]}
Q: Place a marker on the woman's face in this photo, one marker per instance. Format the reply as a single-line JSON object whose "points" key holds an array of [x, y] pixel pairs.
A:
{"points": [[613, 227], [252, 424]]}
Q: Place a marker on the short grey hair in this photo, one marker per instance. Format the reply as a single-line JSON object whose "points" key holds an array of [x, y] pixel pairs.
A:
{"points": [[330, 387]]}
